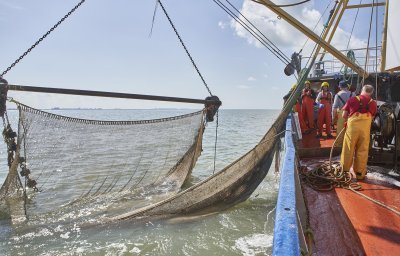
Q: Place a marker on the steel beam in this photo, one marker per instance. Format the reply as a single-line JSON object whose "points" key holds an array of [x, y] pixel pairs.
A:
{"points": [[298, 25], [356, 6], [25, 88]]}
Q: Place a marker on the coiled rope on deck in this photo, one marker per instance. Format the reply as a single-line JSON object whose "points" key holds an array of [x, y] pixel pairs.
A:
{"points": [[330, 175]]}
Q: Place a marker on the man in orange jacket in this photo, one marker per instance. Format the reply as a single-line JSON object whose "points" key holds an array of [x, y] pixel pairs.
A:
{"points": [[307, 106], [324, 101]]}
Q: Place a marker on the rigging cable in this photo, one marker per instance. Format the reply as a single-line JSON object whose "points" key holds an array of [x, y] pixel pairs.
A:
{"points": [[266, 38], [43, 37], [184, 47], [369, 37], [284, 59], [322, 15], [376, 53], [285, 5], [354, 23]]}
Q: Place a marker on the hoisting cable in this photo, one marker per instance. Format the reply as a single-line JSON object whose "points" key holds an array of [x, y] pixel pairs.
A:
{"points": [[354, 23], [184, 47], [287, 5], [281, 57], [369, 37], [271, 44], [43, 37], [322, 15], [376, 53]]}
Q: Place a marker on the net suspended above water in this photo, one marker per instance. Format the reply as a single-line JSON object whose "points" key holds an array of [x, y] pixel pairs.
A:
{"points": [[67, 160]]}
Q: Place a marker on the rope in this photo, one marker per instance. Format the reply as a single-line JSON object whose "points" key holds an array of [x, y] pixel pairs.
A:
{"points": [[369, 37], [271, 44], [215, 145], [377, 202], [41, 39], [101, 122], [329, 175], [257, 35], [354, 23], [322, 15], [184, 47], [376, 53], [287, 5]]}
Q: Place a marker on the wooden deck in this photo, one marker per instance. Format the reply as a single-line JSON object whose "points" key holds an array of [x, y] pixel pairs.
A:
{"points": [[345, 223]]}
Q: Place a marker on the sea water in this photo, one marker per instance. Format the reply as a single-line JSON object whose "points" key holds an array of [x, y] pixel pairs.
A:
{"points": [[245, 229]]}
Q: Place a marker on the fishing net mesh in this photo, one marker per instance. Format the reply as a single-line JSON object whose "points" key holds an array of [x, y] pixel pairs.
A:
{"points": [[70, 159]]}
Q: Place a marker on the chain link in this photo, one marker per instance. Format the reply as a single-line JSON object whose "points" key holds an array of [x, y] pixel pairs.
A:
{"points": [[184, 47], [41, 39]]}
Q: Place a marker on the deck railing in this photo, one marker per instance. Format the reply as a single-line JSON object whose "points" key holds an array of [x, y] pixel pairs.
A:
{"points": [[330, 65]]}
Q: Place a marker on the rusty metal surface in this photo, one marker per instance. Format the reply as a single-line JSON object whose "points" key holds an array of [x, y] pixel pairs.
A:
{"points": [[344, 223]]}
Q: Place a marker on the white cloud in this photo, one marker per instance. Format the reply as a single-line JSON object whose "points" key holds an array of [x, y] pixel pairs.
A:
{"points": [[283, 34], [251, 78], [222, 25], [243, 87]]}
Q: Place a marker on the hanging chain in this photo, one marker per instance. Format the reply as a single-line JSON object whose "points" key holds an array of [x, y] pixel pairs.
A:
{"points": [[184, 47], [41, 39]]}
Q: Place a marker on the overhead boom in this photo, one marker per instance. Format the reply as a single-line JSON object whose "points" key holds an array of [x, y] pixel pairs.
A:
{"points": [[317, 39]]}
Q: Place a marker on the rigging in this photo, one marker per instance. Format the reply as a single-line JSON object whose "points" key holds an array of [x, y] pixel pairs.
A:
{"points": [[184, 47], [41, 39], [258, 36]]}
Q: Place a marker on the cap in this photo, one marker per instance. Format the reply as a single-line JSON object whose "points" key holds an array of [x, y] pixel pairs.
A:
{"points": [[343, 84]]}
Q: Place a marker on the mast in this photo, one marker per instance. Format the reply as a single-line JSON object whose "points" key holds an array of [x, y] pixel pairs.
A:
{"points": [[384, 38], [342, 7], [317, 39]]}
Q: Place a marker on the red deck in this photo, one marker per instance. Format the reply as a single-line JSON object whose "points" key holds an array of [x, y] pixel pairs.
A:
{"points": [[345, 223]]}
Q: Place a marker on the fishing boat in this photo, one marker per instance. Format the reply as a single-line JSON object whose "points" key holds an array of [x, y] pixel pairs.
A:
{"points": [[304, 217], [319, 216]]}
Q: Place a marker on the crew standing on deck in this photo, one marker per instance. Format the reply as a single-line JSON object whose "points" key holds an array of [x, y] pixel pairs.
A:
{"points": [[296, 108], [359, 110], [338, 103], [307, 106], [324, 101]]}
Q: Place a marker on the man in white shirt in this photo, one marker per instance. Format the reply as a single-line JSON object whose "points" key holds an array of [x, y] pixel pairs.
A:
{"points": [[340, 100]]}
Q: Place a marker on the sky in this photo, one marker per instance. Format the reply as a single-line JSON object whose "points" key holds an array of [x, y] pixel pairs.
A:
{"points": [[107, 46]]}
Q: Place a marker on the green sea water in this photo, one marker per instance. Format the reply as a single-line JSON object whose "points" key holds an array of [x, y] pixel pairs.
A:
{"points": [[245, 229]]}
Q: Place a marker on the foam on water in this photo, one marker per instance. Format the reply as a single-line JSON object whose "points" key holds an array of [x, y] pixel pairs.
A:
{"points": [[244, 229], [254, 244]]}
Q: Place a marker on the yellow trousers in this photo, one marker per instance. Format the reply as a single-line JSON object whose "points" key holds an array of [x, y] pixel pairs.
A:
{"points": [[356, 144], [339, 127]]}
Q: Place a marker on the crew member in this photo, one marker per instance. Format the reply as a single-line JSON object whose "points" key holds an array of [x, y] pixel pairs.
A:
{"points": [[307, 106], [338, 103], [297, 108], [359, 110], [324, 101]]}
